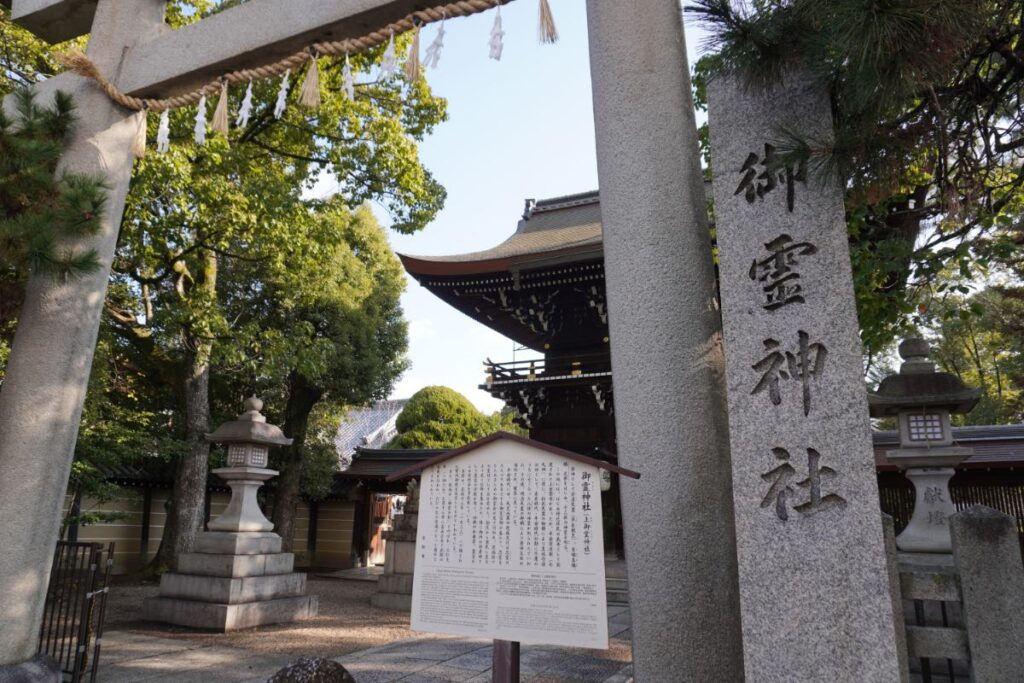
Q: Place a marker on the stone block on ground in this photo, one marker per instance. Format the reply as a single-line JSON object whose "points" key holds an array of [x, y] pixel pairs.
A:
{"points": [[40, 669], [893, 571], [395, 583], [313, 670], [395, 601], [238, 542], [401, 557], [210, 564], [229, 590], [222, 617]]}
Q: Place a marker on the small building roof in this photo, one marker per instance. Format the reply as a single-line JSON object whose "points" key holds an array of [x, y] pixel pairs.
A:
{"points": [[380, 463], [506, 436], [371, 426]]}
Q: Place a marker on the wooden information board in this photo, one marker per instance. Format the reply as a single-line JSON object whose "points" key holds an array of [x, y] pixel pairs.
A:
{"points": [[510, 545]]}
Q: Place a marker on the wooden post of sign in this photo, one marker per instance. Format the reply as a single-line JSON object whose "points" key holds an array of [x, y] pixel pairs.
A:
{"points": [[505, 662]]}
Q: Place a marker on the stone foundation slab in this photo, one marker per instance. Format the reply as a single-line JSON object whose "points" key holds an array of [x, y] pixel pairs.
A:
{"points": [[221, 617], [395, 583], [209, 564], [396, 601], [40, 669], [238, 543], [231, 591]]}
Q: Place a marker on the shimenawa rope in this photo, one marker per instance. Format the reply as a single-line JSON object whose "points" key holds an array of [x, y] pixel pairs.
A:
{"points": [[79, 63]]}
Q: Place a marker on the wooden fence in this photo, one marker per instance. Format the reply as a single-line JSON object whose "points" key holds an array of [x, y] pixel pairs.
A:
{"points": [[1002, 490]]}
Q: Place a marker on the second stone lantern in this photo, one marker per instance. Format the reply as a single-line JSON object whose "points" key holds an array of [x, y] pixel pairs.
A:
{"points": [[922, 399]]}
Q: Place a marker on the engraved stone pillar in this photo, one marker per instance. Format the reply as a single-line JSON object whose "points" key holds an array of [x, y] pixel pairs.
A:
{"points": [[666, 347], [814, 587]]}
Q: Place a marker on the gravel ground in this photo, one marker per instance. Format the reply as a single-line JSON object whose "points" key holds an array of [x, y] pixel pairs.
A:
{"points": [[347, 622]]}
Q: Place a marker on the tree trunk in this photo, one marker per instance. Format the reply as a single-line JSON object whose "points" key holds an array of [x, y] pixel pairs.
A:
{"points": [[185, 516], [302, 396]]}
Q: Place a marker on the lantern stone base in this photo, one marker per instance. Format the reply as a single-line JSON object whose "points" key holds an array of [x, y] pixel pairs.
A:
{"points": [[234, 580], [223, 618], [238, 542], [394, 587]]}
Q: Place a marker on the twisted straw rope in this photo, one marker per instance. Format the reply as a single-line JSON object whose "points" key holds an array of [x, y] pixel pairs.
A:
{"points": [[79, 63]]}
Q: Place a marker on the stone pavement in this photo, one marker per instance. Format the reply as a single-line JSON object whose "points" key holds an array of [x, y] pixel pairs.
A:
{"points": [[127, 657]]}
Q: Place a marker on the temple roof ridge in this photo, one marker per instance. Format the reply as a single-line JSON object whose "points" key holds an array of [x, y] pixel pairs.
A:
{"points": [[564, 229], [563, 202]]}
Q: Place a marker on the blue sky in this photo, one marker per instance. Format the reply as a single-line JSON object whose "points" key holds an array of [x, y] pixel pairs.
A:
{"points": [[520, 127]]}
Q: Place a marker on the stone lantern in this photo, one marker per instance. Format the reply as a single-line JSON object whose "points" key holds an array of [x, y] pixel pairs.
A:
{"points": [[922, 400], [248, 439], [236, 575]]}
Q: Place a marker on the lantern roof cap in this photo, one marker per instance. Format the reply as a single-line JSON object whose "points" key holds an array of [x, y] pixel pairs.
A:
{"points": [[250, 427], [918, 385]]}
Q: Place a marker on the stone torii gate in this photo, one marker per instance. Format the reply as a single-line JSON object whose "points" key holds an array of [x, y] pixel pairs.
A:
{"points": [[666, 329]]}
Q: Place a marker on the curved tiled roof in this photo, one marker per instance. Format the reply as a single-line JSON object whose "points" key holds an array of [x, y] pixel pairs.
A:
{"points": [[371, 426], [378, 463], [568, 227]]}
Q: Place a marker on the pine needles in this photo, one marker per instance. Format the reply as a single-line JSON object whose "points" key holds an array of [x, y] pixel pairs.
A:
{"points": [[907, 80], [928, 114], [41, 211]]}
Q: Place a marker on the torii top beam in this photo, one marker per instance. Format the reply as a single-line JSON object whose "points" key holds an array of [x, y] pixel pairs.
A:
{"points": [[53, 20], [256, 32]]}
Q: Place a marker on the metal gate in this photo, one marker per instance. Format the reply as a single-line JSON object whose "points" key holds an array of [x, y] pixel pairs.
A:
{"points": [[76, 599]]}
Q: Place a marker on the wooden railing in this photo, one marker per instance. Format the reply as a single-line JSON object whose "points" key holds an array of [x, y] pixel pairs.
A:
{"points": [[570, 365]]}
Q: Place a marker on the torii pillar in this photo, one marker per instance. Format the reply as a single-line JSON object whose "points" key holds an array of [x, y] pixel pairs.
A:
{"points": [[48, 370], [666, 343]]}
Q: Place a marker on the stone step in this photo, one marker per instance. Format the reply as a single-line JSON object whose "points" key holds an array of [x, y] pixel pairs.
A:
{"points": [[939, 642], [394, 601], [209, 564], [220, 617], [395, 583], [238, 543], [230, 591], [930, 585]]}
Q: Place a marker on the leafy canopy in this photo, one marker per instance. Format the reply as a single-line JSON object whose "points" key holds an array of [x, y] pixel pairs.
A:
{"points": [[929, 128], [440, 417]]}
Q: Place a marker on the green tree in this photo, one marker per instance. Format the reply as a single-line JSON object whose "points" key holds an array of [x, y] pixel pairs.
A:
{"points": [[38, 205], [121, 429], [315, 345], [24, 59], [978, 338], [197, 215], [440, 417], [928, 122]]}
